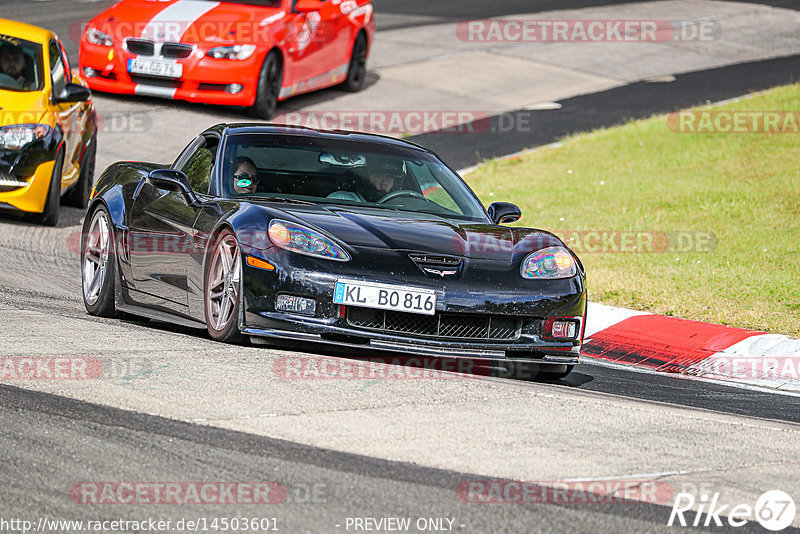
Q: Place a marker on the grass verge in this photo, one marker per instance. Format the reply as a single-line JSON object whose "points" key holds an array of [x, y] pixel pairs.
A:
{"points": [[711, 220]]}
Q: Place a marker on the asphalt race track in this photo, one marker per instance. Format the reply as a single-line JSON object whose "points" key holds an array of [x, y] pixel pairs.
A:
{"points": [[210, 412]]}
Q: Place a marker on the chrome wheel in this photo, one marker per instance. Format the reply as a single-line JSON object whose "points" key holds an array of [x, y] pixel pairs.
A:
{"points": [[222, 291], [95, 257]]}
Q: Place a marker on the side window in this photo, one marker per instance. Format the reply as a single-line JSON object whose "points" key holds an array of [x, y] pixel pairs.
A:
{"points": [[58, 73], [65, 60], [200, 164]]}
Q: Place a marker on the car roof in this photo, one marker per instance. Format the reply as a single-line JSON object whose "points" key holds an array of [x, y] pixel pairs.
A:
{"points": [[280, 129], [29, 32]]}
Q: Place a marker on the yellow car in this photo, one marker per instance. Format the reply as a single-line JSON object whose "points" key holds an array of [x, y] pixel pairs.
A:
{"points": [[47, 125]]}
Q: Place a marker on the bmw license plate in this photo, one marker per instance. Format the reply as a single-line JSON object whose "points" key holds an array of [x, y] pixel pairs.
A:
{"points": [[385, 297], [155, 67]]}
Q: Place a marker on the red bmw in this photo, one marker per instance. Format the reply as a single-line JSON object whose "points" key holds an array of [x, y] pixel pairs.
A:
{"points": [[249, 53]]}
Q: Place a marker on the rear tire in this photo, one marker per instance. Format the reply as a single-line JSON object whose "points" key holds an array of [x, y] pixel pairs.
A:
{"points": [[222, 289], [99, 265], [357, 73], [269, 87], [49, 217], [79, 196]]}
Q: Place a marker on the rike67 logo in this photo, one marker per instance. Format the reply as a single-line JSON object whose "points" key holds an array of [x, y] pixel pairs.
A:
{"points": [[774, 510]]}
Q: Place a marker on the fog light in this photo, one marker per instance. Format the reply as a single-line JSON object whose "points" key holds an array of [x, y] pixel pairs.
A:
{"points": [[558, 328], [89, 72], [235, 88], [292, 304]]}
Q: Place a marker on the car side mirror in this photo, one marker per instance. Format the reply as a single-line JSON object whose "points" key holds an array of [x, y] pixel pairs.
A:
{"points": [[306, 6], [173, 180], [504, 213], [74, 92]]}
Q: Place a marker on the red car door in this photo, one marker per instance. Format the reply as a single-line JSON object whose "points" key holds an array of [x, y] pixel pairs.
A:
{"points": [[311, 43]]}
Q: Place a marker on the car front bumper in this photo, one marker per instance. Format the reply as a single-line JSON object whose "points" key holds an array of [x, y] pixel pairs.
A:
{"points": [[204, 79], [25, 175], [332, 324]]}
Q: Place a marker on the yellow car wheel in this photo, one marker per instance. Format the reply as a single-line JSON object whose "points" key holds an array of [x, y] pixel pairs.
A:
{"points": [[49, 217]]}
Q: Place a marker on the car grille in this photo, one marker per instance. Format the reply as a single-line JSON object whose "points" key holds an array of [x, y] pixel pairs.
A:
{"points": [[140, 47], [156, 82], [441, 325], [144, 47], [176, 50]]}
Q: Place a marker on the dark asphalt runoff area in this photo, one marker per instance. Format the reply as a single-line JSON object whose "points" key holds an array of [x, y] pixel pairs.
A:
{"points": [[515, 131]]}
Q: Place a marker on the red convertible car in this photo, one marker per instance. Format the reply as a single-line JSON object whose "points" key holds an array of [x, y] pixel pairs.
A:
{"points": [[249, 53]]}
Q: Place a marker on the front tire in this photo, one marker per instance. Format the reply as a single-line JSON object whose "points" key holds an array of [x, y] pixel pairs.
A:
{"points": [[49, 216], [357, 73], [98, 265], [269, 87], [222, 289]]}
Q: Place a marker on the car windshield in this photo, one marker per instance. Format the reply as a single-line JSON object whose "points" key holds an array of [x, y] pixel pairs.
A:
{"points": [[347, 173], [20, 64]]}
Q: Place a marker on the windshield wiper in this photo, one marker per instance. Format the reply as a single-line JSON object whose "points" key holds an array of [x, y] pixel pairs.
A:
{"points": [[281, 199]]}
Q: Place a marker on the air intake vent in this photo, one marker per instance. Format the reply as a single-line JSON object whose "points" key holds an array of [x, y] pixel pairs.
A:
{"points": [[441, 325], [435, 260], [140, 47], [176, 50]]}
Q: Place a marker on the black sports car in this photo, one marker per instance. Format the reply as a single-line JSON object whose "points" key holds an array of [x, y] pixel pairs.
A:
{"points": [[356, 240]]}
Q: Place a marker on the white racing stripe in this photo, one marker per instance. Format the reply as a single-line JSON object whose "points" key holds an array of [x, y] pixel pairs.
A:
{"points": [[173, 21], [169, 26]]}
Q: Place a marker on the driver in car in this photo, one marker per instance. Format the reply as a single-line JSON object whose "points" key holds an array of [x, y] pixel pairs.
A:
{"points": [[12, 63], [383, 174], [245, 176]]}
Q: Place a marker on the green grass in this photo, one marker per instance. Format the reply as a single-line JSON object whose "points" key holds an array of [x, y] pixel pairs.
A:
{"points": [[742, 188]]}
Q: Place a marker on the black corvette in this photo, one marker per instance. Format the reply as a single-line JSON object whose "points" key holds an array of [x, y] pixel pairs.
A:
{"points": [[355, 240]]}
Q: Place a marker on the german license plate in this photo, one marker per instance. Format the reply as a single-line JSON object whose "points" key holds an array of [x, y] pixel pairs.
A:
{"points": [[155, 67], [385, 297]]}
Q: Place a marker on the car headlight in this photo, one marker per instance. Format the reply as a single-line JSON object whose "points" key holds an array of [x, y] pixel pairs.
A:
{"points": [[297, 238], [232, 52], [95, 36], [549, 264], [20, 135]]}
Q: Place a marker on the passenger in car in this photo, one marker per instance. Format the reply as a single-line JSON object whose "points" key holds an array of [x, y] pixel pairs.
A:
{"points": [[245, 176]]}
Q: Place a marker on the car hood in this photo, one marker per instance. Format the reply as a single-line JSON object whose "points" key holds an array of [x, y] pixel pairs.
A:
{"points": [[408, 231], [22, 107], [189, 21]]}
